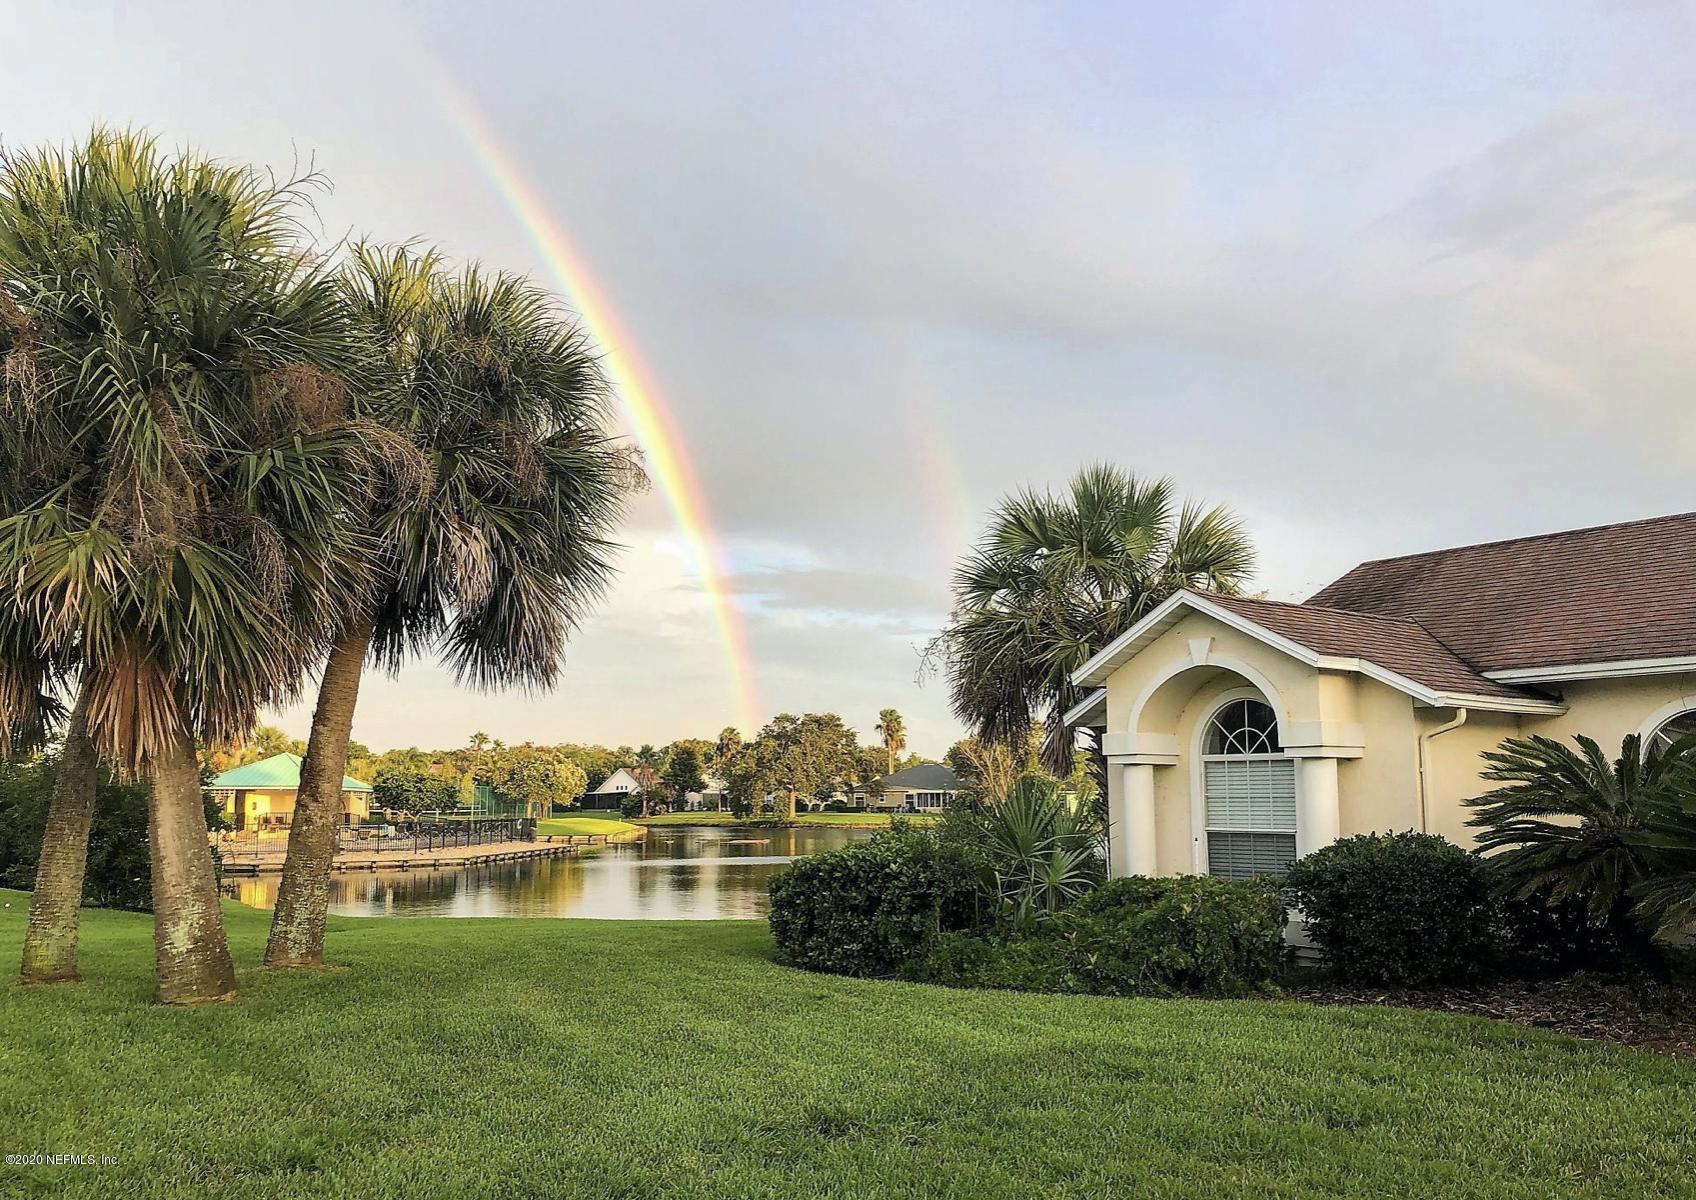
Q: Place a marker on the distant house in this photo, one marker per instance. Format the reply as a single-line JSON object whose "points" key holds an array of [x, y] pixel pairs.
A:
{"points": [[614, 788], [928, 787], [259, 797], [712, 798]]}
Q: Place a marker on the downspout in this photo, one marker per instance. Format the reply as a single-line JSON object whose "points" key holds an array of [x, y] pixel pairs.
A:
{"points": [[1424, 766]]}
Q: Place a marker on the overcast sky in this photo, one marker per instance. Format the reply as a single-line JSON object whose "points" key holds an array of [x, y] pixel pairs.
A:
{"points": [[1384, 278]]}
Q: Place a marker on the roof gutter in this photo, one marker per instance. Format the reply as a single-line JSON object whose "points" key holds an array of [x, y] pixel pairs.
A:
{"points": [[1425, 762]]}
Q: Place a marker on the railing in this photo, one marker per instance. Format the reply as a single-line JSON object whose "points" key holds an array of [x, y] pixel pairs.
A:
{"points": [[440, 835]]}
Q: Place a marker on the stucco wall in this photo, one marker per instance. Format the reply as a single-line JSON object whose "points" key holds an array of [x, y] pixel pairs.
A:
{"points": [[1380, 790]]}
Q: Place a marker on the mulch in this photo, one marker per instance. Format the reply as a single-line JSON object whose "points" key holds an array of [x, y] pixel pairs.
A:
{"points": [[1647, 1013]]}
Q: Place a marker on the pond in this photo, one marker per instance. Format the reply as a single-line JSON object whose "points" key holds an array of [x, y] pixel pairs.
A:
{"points": [[676, 873]]}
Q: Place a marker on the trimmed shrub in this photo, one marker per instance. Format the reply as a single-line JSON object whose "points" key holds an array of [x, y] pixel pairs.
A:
{"points": [[1020, 963], [1398, 908], [1192, 935], [870, 908]]}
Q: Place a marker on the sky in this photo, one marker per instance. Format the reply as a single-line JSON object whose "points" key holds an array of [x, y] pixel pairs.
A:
{"points": [[1382, 278]]}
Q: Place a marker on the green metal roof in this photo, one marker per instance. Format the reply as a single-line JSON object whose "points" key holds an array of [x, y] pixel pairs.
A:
{"points": [[281, 771]]}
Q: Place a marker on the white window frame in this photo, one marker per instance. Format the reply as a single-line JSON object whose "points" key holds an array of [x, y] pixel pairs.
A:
{"points": [[1198, 774], [1667, 712]]}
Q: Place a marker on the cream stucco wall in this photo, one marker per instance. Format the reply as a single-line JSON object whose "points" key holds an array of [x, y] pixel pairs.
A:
{"points": [[1158, 701]]}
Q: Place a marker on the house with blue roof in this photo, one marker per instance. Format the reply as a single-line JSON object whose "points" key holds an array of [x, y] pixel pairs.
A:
{"points": [[259, 797]]}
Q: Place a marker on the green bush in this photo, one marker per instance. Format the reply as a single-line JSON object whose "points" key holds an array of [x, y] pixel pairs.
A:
{"points": [[1191, 935], [871, 908], [1029, 962], [1399, 908], [119, 867]]}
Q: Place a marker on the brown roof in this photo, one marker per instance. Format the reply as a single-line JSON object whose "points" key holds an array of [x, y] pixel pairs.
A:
{"points": [[1604, 594], [1397, 643]]}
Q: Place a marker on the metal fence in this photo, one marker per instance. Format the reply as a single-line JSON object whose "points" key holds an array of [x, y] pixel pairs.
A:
{"points": [[438, 834]]}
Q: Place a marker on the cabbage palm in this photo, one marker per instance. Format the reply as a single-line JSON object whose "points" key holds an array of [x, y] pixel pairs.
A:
{"points": [[176, 454], [506, 548], [892, 731], [1055, 578]]}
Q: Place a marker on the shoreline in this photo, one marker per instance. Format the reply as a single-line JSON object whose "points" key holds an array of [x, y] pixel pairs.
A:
{"points": [[545, 846]]}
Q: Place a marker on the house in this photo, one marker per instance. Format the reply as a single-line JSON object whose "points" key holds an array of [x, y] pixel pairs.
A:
{"points": [[715, 797], [1241, 734], [928, 787], [614, 788], [259, 797]]}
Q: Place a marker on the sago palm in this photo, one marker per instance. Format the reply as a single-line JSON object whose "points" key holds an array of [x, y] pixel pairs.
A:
{"points": [[506, 549], [1057, 577], [1570, 826], [179, 450]]}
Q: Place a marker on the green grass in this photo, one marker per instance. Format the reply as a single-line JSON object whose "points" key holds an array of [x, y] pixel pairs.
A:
{"points": [[579, 826], [443, 1058], [849, 820]]}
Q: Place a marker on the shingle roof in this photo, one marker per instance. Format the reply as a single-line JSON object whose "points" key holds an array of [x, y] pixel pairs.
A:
{"points": [[281, 771], [1396, 643], [925, 777], [1603, 594]]}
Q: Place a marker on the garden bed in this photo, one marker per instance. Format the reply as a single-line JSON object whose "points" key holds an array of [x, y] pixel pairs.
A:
{"points": [[1650, 1014]]}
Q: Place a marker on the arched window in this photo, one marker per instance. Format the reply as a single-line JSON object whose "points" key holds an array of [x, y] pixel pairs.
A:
{"points": [[1244, 727], [1248, 792], [1680, 726]]}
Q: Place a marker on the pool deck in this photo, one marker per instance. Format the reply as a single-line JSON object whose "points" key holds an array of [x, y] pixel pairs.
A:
{"points": [[239, 859]]}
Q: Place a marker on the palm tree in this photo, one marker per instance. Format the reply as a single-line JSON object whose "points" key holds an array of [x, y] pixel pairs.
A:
{"points": [[1568, 826], [1055, 578], [507, 545], [183, 460], [647, 773], [893, 730], [1041, 853]]}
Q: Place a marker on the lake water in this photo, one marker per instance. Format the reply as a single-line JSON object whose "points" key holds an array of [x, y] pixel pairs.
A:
{"points": [[677, 872]]}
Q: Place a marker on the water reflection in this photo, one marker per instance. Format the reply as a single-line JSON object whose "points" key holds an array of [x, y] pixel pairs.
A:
{"points": [[683, 873]]}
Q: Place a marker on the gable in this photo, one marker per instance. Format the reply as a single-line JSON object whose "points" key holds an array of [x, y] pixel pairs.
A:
{"points": [[1398, 653]]}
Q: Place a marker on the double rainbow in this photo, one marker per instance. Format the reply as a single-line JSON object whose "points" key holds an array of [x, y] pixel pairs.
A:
{"points": [[645, 412]]}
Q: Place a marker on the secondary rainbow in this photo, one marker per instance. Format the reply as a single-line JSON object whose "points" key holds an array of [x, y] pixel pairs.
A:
{"points": [[649, 419]]}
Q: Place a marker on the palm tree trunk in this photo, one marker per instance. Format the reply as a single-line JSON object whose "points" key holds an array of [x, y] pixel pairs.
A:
{"points": [[303, 897], [189, 946], [50, 941]]}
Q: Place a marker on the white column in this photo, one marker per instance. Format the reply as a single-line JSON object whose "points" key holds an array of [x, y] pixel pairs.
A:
{"points": [[1318, 815], [1133, 848]]}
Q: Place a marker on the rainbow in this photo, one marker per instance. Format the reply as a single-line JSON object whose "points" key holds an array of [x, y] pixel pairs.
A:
{"points": [[645, 412]]}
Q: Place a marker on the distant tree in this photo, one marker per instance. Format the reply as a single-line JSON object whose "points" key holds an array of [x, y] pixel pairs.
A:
{"points": [[359, 763], [729, 742], [468, 790], [811, 755], [413, 790], [1055, 578], [892, 728], [683, 772], [647, 775], [537, 776]]}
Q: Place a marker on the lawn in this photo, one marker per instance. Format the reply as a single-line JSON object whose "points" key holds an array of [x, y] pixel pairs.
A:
{"points": [[581, 826], [625, 1059]]}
